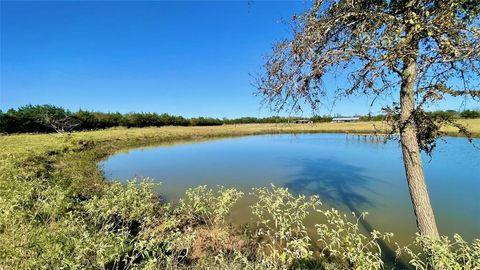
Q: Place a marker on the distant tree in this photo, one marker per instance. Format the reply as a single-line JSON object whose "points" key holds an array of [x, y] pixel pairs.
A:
{"points": [[321, 119], [452, 111], [57, 119], [448, 115], [106, 120], [205, 121], [27, 119], [422, 49], [470, 114], [370, 117], [87, 120], [3, 122]]}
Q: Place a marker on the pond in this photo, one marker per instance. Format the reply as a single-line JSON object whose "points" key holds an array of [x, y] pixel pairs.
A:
{"points": [[347, 173]]}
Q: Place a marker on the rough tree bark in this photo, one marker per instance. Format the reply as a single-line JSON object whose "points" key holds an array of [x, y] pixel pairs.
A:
{"points": [[411, 153]]}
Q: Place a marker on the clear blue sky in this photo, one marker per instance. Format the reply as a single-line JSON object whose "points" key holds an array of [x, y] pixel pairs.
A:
{"points": [[184, 58]]}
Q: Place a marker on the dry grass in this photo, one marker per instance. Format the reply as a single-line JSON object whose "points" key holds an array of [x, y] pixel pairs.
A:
{"points": [[27, 144]]}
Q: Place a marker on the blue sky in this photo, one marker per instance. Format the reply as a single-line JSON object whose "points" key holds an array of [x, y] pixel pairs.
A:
{"points": [[184, 58]]}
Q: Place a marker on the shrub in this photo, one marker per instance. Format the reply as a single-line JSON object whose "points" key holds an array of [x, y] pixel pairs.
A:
{"points": [[281, 229], [346, 246], [122, 205], [202, 203], [111, 227], [443, 253]]}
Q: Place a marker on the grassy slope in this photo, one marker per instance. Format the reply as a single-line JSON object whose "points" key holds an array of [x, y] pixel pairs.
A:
{"points": [[69, 161]]}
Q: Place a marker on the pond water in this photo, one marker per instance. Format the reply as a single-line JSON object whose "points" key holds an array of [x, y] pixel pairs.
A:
{"points": [[347, 173]]}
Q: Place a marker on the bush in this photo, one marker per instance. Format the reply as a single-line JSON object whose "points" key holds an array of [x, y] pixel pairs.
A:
{"points": [[443, 253], [44, 225], [281, 229], [344, 244], [447, 115], [121, 205], [209, 209]]}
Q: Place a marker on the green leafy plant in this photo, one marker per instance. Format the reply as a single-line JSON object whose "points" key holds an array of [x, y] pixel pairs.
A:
{"points": [[281, 229], [343, 241], [134, 202], [443, 253], [208, 206]]}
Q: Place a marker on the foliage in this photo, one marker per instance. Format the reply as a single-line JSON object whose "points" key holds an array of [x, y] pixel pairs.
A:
{"points": [[153, 120], [31, 118], [44, 225], [106, 120], [430, 126], [208, 207], [343, 241], [470, 114], [48, 118], [369, 44], [205, 121], [281, 215], [121, 205], [251, 120], [448, 114], [379, 117], [443, 253]]}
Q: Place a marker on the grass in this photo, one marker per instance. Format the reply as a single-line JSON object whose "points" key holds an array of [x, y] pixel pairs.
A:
{"points": [[123, 138], [57, 210]]}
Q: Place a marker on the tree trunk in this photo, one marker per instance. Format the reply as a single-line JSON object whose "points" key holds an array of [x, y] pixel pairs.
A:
{"points": [[411, 153]]}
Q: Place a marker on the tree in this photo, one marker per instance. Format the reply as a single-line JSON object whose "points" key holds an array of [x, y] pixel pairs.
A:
{"points": [[470, 114], [57, 118], [87, 120], [424, 50]]}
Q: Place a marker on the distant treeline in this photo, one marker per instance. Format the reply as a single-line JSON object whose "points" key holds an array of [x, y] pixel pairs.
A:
{"points": [[49, 118]]}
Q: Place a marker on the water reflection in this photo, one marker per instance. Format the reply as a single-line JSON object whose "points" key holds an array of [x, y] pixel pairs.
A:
{"points": [[334, 181], [339, 185]]}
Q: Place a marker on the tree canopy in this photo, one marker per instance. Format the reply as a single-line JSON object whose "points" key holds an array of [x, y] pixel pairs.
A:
{"points": [[371, 42]]}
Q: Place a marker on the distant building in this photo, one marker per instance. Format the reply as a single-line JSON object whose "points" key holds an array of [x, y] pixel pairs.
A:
{"points": [[303, 121], [345, 119]]}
